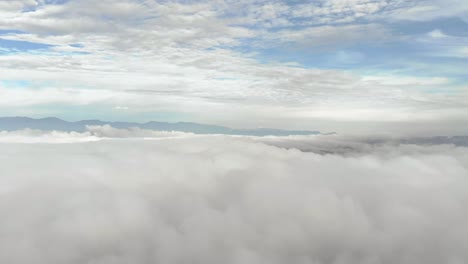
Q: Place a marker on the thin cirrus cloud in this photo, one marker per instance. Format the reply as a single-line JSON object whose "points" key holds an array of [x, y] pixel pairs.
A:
{"points": [[309, 63]]}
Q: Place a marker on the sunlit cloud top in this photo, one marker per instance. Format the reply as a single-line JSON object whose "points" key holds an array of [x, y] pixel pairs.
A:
{"points": [[329, 65]]}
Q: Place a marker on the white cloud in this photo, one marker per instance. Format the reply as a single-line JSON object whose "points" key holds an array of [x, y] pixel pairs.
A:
{"points": [[429, 10], [93, 133], [122, 108], [437, 34], [463, 51], [233, 200], [439, 44], [402, 81], [167, 56], [329, 36], [38, 136], [284, 14], [107, 131], [16, 5]]}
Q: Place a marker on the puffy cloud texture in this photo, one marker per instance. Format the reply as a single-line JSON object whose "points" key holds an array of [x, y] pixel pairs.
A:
{"points": [[223, 199], [94, 133]]}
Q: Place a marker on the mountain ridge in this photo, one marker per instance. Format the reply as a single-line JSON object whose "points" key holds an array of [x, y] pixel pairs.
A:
{"points": [[54, 123]]}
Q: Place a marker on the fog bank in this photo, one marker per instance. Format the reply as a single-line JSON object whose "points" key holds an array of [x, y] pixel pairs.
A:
{"points": [[222, 199]]}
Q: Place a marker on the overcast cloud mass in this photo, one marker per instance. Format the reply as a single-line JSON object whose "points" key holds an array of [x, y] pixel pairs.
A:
{"points": [[135, 196]]}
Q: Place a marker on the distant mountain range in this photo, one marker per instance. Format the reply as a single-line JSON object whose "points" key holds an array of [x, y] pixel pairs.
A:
{"points": [[53, 123]]}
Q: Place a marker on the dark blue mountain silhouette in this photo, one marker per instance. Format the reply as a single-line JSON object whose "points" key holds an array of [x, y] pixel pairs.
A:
{"points": [[53, 123]]}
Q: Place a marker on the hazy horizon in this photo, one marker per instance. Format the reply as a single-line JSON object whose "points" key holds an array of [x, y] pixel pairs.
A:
{"points": [[412, 130]]}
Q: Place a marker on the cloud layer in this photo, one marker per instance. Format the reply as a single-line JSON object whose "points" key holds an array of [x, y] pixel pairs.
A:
{"points": [[221, 199], [93, 133]]}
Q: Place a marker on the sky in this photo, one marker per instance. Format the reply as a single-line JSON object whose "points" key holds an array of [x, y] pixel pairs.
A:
{"points": [[349, 66]]}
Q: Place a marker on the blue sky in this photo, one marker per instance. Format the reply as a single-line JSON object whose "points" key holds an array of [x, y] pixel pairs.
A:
{"points": [[336, 64]]}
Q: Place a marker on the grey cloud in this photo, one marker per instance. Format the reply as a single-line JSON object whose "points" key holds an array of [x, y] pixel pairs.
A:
{"points": [[327, 37], [119, 26], [386, 146], [15, 5], [107, 131], [218, 199], [92, 133], [38, 136]]}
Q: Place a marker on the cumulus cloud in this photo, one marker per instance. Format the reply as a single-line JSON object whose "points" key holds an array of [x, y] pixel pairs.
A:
{"points": [[93, 133], [223, 199], [39, 136]]}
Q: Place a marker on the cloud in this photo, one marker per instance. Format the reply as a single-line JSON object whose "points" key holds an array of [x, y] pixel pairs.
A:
{"points": [[107, 131], [122, 108], [383, 146], [331, 36], [207, 58], [16, 5], [38, 136], [222, 81], [215, 199], [429, 10], [93, 133]]}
